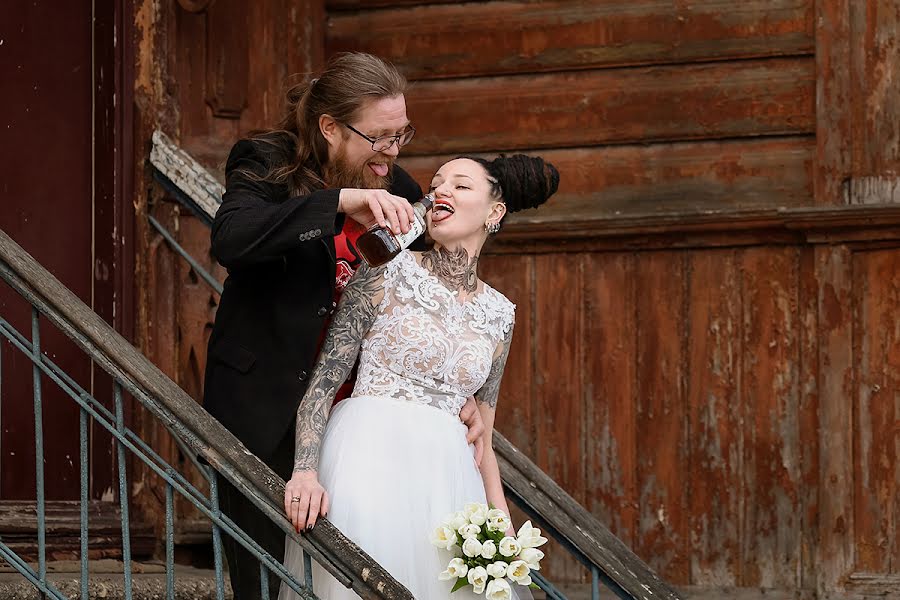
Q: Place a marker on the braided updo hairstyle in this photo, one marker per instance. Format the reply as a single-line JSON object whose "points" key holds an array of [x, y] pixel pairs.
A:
{"points": [[520, 181]]}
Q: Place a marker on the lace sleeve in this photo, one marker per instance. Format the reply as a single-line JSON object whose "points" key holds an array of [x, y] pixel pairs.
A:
{"points": [[356, 312], [489, 392]]}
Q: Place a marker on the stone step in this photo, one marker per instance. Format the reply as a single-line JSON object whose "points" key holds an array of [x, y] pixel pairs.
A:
{"points": [[106, 580]]}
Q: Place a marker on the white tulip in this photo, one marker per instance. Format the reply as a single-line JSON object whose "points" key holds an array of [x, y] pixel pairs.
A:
{"points": [[456, 569], [469, 531], [510, 547], [489, 549], [443, 537], [473, 507], [497, 570], [518, 571], [498, 589], [497, 520], [458, 520], [471, 547], [476, 513], [530, 537], [532, 558], [478, 578]]}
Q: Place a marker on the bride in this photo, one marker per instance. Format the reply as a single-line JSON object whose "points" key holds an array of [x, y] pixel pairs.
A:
{"points": [[390, 462]]}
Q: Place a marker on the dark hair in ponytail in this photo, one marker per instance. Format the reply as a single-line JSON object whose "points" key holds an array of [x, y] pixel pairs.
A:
{"points": [[348, 81]]}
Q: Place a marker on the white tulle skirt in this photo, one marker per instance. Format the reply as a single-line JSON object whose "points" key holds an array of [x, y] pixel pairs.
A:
{"points": [[393, 470]]}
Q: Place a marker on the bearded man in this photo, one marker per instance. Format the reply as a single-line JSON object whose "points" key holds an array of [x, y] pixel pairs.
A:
{"points": [[296, 198]]}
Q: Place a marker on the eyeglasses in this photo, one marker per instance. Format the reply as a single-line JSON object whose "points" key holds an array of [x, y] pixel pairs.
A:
{"points": [[380, 144]]}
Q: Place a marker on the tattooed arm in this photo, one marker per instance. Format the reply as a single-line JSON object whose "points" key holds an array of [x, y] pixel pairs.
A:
{"points": [[487, 404], [304, 497]]}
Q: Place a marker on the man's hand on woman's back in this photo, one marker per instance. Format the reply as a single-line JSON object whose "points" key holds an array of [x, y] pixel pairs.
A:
{"points": [[471, 417]]}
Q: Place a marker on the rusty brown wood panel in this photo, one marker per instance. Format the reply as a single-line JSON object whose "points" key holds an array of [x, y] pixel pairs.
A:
{"points": [[808, 415], [187, 62], [307, 32], [833, 106], [877, 413], [270, 23], [464, 39], [662, 537], [513, 276], [834, 558], [250, 81], [197, 305], [195, 314], [687, 176], [875, 64], [769, 395], [227, 58], [182, 313], [336, 5], [679, 102], [716, 417], [612, 447], [559, 410]]}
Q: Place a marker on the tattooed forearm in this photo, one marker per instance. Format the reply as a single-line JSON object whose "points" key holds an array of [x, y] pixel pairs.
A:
{"points": [[452, 267], [490, 391], [355, 315]]}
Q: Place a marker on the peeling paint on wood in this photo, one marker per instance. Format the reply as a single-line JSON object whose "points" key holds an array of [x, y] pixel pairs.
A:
{"points": [[644, 104], [678, 177], [561, 35]]}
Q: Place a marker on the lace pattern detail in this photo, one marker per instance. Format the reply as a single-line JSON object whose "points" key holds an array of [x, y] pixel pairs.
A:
{"points": [[426, 346]]}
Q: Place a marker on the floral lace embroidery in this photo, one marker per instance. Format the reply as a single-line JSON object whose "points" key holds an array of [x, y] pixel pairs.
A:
{"points": [[426, 346]]}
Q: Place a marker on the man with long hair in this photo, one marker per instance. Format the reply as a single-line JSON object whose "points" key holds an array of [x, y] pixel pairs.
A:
{"points": [[296, 198]]}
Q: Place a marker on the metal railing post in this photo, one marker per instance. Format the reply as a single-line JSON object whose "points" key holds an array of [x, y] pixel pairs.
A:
{"points": [[170, 543], [39, 445], [123, 491], [85, 485], [216, 534]]}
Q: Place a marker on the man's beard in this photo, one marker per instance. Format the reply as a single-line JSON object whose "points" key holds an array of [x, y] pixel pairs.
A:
{"points": [[341, 174]]}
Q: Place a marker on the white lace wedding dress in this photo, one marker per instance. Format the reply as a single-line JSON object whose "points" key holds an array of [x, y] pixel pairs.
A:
{"points": [[394, 457]]}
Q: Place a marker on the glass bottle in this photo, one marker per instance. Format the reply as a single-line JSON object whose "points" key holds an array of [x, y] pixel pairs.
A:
{"points": [[378, 245]]}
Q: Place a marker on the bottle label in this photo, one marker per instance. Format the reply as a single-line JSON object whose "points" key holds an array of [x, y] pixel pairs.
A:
{"points": [[416, 228]]}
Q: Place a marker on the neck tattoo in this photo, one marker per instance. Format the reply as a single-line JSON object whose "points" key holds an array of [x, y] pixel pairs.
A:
{"points": [[453, 268]]}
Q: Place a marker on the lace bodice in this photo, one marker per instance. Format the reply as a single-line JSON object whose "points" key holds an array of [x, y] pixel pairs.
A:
{"points": [[426, 346]]}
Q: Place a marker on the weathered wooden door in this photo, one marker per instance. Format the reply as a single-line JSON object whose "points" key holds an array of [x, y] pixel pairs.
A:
{"points": [[64, 181]]}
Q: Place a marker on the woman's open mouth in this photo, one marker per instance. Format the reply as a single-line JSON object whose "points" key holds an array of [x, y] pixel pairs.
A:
{"points": [[442, 211]]}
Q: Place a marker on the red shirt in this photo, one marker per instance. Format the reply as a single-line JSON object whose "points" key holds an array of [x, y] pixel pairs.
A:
{"points": [[348, 261]]}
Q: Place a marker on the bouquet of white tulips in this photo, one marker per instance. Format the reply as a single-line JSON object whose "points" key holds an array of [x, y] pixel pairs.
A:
{"points": [[483, 555]]}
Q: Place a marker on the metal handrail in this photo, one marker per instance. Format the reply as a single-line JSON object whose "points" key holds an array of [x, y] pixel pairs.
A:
{"points": [[607, 558], [184, 418]]}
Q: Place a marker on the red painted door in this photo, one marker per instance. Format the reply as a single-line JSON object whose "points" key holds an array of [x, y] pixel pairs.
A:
{"points": [[63, 175]]}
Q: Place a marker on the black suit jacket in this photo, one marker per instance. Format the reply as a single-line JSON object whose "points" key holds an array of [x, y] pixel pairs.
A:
{"points": [[280, 256]]}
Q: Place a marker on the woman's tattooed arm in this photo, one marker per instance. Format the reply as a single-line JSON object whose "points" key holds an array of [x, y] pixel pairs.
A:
{"points": [[355, 314], [490, 391]]}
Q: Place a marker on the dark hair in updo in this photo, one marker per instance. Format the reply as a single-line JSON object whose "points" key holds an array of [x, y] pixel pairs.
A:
{"points": [[520, 181]]}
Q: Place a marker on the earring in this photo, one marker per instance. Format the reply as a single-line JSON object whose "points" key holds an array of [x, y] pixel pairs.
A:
{"points": [[492, 227]]}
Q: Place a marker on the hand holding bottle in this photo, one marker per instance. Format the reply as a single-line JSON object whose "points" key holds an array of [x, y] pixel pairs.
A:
{"points": [[376, 207], [379, 245]]}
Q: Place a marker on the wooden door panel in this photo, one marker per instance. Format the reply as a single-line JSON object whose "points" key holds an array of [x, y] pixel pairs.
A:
{"points": [[47, 208], [876, 432]]}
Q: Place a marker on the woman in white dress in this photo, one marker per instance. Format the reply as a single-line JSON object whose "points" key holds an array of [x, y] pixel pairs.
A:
{"points": [[390, 462]]}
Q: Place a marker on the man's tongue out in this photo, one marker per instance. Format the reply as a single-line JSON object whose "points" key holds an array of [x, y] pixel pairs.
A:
{"points": [[380, 169]]}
